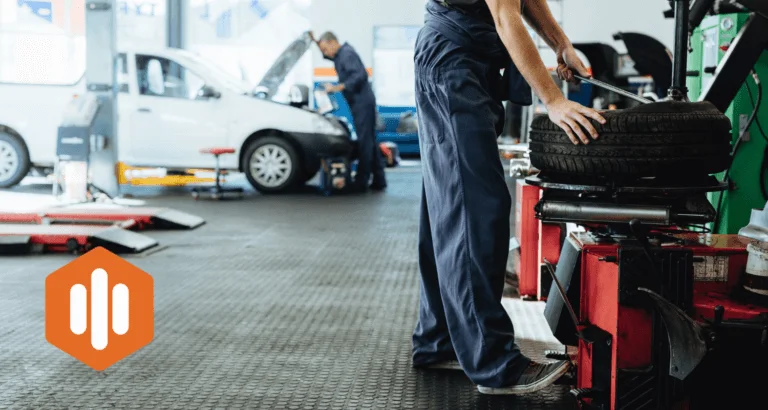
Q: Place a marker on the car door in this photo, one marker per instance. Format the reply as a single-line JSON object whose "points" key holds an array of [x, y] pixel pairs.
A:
{"points": [[172, 121]]}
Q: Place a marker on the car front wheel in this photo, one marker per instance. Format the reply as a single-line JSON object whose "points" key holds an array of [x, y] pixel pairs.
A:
{"points": [[271, 165], [14, 160]]}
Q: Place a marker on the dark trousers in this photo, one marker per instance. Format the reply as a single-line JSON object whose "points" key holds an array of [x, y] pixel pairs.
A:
{"points": [[371, 160], [464, 232]]}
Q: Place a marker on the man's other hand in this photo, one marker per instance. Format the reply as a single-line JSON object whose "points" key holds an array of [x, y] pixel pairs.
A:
{"points": [[330, 88], [568, 62], [574, 118]]}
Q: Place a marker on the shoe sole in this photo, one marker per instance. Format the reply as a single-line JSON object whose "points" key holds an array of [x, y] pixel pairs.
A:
{"points": [[445, 366], [528, 388]]}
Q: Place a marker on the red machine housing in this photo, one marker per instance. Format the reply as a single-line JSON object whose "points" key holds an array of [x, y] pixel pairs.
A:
{"points": [[527, 233], [629, 343], [539, 241]]}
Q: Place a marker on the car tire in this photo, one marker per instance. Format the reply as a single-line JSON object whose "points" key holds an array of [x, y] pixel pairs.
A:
{"points": [[652, 140], [283, 165], [14, 160]]}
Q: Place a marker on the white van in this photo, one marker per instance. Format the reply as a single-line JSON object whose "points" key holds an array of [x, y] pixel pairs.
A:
{"points": [[171, 104]]}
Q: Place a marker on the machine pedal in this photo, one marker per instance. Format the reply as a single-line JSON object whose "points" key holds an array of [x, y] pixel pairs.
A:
{"points": [[580, 394], [556, 355]]}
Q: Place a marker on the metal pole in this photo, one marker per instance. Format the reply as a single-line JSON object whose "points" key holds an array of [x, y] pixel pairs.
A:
{"points": [[101, 80], [175, 23], [679, 90]]}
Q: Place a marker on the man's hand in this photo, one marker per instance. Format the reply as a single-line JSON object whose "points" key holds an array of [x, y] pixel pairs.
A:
{"points": [[312, 36], [573, 118], [568, 62], [330, 88]]}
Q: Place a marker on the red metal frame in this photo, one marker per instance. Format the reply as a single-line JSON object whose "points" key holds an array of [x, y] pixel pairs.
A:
{"points": [[538, 241], [549, 249], [527, 233]]}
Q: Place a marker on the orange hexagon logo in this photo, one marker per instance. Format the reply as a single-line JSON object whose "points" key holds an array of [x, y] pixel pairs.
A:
{"points": [[99, 309]]}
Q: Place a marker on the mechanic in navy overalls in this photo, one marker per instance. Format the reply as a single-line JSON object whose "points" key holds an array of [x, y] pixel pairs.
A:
{"points": [[353, 83], [464, 233]]}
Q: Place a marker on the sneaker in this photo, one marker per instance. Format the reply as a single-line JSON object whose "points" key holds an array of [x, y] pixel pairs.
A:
{"points": [[537, 377], [445, 365]]}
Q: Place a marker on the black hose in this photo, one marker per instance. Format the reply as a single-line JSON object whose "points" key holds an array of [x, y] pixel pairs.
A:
{"points": [[764, 165], [737, 145]]}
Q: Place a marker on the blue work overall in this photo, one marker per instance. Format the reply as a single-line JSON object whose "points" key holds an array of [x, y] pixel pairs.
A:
{"points": [[362, 102], [464, 231]]}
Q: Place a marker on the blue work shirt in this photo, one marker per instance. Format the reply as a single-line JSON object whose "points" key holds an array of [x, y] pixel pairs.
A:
{"points": [[352, 73]]}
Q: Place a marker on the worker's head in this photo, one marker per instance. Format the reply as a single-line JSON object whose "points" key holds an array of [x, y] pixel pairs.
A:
{"points": [[329, 44]]}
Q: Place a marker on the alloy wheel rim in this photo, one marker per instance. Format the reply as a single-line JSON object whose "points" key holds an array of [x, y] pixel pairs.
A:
{"points": [[9, 161], [271, 165]]}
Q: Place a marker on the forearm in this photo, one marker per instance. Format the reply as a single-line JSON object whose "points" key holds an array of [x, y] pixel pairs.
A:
{"points": [[522, 49], [540, 18]]}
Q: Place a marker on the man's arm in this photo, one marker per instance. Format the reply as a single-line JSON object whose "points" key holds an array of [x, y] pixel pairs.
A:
{"points": [[540, 18], [570, 116]]}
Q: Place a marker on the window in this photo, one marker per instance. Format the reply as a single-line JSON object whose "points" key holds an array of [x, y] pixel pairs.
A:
{"points": [[393, 65], [161, 77]]}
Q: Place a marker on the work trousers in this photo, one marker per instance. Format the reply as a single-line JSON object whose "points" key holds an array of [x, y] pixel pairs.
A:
{"points": [[465, 207], [371, 161]]}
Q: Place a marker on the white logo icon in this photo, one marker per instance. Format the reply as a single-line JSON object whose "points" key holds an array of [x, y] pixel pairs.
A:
{"points": [[78, 309]]}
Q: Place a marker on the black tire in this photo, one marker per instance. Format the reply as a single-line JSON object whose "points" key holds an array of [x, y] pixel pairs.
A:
{"points": [[652, 140], [17, 168], [293, 173]]}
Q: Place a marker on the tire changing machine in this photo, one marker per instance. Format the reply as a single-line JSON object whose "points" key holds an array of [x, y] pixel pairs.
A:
{"points": [[662, 314], [87, 154]]}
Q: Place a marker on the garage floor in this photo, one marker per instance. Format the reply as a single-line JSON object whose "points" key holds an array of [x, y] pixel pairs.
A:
{"points": [[290, 302]]}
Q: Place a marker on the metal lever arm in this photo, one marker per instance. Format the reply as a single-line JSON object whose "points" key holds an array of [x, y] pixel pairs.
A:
{"points": [[615, 89]]}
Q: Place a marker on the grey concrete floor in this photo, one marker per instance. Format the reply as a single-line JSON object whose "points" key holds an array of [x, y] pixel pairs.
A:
{"points": [[280, 302]]}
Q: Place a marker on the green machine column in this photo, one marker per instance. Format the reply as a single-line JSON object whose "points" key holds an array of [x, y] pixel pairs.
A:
{"points": [[710, 43]]}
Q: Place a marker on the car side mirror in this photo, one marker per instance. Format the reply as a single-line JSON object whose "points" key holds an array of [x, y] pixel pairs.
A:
{"points": [[208, 92]]}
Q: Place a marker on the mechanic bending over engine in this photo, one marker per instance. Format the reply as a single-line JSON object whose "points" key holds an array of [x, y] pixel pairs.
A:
{"points": [[464, 232], [353, 83]]}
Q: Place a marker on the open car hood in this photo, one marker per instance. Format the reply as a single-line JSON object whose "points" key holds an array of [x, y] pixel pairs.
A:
{"points": [[276, 74]]}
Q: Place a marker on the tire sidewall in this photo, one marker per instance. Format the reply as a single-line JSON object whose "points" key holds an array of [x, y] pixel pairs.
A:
{"points": [[296, 168], [22, 154], [655, 140]]}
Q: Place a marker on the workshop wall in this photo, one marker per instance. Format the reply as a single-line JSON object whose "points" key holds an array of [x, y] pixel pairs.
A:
{"points": [[583, 20], [599, 20], [353, 21]]}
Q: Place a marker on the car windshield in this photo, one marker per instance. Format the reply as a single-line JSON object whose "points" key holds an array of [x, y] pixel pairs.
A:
{"points": [[226, 78]]}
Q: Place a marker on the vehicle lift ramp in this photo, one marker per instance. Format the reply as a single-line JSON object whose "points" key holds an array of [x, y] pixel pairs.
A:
{"points": [[79, 229], [24, 238], [145, 218]]}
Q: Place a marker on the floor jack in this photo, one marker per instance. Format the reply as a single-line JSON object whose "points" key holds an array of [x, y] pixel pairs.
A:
{"points": [[335, 175], [659, 316]]}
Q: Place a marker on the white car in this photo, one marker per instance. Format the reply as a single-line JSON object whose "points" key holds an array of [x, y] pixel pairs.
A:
{"points": [[172, 103]]}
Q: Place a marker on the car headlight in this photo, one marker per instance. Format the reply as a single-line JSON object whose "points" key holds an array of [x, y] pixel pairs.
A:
{"points": [[323, 126]]}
